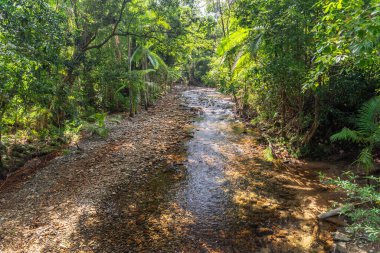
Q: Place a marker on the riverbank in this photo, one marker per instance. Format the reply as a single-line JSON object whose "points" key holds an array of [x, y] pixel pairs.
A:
{"points": [[183, 177], [42, 211]]}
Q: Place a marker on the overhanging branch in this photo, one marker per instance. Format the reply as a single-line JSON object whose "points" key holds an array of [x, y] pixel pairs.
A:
{"points": [[113, 30]]}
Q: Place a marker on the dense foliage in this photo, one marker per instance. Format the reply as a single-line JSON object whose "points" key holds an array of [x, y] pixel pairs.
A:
{"points": [[304, 67], [303, 70], [367, 133], [63, 64], [362, 205]]}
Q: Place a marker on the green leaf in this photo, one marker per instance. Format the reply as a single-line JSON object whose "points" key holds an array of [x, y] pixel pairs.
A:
{"points": [[367, 120], [346, 134], [233, 41]]}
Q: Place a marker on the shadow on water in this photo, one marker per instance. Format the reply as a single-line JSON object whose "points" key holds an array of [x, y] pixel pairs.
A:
{"points": [[224, 198]]}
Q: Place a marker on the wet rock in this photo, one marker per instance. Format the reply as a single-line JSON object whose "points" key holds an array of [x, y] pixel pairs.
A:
{"points": [[340, 237], [339, 220]]}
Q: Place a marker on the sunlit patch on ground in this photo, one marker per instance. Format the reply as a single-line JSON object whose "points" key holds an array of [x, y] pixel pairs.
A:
{"points": [[147, 192]]}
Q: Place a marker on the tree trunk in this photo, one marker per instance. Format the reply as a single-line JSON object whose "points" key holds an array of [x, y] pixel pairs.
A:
{"points": [[219, 6], [145, 92], [283, 111], [2, 149], [130, 90], [117, 49], [89, 88], [315, 125]]}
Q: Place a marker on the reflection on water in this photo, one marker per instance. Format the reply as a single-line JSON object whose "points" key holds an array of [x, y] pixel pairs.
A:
{"points": [[223, 198], [235, 201], [205, 192]]}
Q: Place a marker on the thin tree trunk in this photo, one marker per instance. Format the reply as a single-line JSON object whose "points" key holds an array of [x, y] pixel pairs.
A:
{"points": [[221, 18], [2, 149], [117, 49], [315, 125], [130, 90], [118, 58], [283, 111], [145, 91]]}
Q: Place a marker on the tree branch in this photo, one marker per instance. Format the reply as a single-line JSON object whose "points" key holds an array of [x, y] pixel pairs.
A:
{"points": [[146, 35], [113, 33], [74, 4]]}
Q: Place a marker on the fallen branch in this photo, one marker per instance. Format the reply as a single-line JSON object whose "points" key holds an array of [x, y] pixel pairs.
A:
{"points": [[329, 214]]}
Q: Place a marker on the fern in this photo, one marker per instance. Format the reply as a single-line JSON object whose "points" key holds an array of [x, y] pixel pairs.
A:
{"points": [[368, 113], [365, 218], [366, 159], [347, 134], [368, 132]]}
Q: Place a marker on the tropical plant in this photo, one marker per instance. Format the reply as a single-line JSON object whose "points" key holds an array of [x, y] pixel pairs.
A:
{"points": [[362, 205], [96, 124], [367, 132], [61, 61], [143, 56]]}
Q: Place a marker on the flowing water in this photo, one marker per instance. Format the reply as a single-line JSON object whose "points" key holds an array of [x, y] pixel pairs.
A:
{"points": [[224, 197], [230, 194], [205, 192]]}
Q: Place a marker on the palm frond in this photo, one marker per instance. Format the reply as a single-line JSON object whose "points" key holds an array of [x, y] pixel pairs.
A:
{"points": [[235, 40], [238, 58], [123, 86], [157, 61], [137, 55], [142, 52], [376, 136], [255, 43], [243, 62]]}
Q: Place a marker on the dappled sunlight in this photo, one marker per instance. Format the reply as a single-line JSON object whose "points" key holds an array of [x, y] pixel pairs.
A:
{"points": [[172, 220], [301, 188], [246, 198], [180, 125], [227, 177], [215, 194], [57, 222]]}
